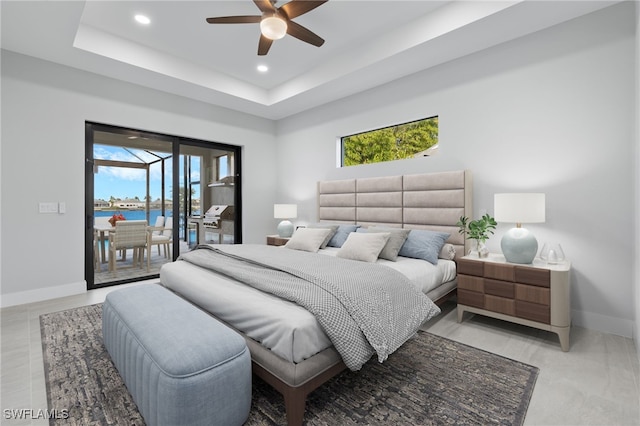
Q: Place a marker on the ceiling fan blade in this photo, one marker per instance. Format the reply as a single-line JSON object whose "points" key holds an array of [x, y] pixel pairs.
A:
{"points": [[235, 20], [298, 7], [264, 45], [265, 6], [301, 33]]}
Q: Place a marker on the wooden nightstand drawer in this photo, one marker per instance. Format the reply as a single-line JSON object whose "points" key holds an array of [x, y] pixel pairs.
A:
{"points": [[275, 240], [470, 298], [533, 311], [533, 294], [500, 304], [499, 271], [499, 288], [467, 282], [534, 276], [470, 267]]}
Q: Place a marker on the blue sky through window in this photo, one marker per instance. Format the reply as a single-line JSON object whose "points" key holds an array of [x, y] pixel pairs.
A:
{"points": [[122, 182]]}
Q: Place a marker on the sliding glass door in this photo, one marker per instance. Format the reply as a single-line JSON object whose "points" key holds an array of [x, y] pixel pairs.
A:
{"points": [[210, 193], [185, 192]]}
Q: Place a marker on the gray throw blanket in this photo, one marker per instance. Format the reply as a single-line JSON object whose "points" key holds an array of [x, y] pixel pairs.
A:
{"points": [[362, 307]]}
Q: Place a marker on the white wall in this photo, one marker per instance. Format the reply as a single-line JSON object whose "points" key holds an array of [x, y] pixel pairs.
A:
{"points": [[44, 109], [552, 112], [637, 185]]}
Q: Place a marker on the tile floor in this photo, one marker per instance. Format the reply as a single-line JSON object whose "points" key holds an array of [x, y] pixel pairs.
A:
{"points": [[596, 383]]}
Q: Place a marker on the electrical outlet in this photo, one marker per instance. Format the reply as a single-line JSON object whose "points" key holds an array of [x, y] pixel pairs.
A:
{"points": [[62, 207]]}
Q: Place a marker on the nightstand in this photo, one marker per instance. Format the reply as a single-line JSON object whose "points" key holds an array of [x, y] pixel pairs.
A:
{"points": [[276, 240], [536, 295]]}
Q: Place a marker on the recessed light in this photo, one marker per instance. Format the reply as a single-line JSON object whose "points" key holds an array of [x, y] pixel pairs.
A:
{"points": [[263, 68], [142, 19]]}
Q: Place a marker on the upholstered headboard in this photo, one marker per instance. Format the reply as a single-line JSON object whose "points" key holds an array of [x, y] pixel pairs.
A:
{"points": [[423, 201]]}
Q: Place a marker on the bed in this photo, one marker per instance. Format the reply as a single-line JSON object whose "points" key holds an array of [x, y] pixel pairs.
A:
{"points": [[289, 349]]}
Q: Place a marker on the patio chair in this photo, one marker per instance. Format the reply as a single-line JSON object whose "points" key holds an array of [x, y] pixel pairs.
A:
{"points": [[157, 229], [129, 234], [99, 237], [165, 238]]}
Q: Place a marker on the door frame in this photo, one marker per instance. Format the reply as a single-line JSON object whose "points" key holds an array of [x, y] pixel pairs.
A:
{"points": [[177, 142]]}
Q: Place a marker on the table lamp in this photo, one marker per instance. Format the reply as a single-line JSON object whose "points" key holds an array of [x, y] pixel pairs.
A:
{"points": [[286, 212], [518, 244]]}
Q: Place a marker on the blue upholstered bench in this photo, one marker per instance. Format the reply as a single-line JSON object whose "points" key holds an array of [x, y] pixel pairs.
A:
{"points": [[181, 366]]}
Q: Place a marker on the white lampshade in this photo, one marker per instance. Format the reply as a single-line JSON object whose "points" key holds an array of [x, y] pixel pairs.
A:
{"points": [[273, 28], [518, 244], [285, 211], [519, 208]]}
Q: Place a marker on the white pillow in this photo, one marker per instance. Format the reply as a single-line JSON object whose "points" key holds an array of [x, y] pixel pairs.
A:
{"points": [[447, 252], [363, 246], [308, 239], [330, 235]]}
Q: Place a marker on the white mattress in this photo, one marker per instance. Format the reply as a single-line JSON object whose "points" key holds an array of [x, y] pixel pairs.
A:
{"points": [[286, 328]]}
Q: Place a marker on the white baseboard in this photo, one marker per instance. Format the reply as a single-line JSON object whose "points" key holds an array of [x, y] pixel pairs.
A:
{"points": [[38, 295], [603, 323]]}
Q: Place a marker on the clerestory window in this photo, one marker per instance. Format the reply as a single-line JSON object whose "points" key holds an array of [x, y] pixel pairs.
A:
{"points": [[409, 140]]}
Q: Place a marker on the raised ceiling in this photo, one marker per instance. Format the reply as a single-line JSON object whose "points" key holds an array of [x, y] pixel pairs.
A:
{"points": [[367, 43]]}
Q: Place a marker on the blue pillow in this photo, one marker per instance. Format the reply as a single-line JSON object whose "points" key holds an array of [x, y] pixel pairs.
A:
{"points": [[341, 235], [423, 244]]}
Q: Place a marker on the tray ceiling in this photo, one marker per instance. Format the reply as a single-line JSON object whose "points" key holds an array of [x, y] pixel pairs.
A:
{"points": [[367, 43]]}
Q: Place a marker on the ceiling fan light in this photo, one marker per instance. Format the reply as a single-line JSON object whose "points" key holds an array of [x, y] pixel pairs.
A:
{"points": [[273, 28]]}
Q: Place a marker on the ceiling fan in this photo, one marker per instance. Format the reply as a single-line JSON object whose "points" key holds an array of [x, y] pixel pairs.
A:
{"points": [[275, 22]]}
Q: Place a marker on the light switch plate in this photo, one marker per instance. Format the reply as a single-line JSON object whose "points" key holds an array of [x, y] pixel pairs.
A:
{"points": [[48, 207]]}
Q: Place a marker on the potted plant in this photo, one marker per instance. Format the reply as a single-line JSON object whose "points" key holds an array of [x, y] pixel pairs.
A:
{"points": [[478, 230]]}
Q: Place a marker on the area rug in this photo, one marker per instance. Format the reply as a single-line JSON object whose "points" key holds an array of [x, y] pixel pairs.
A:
{"points": [[430, 380]]}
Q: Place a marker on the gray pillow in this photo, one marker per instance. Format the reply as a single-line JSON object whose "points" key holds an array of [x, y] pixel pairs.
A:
{"points": [[424, 244], [396, 240], [341, 235], [333, 229]]}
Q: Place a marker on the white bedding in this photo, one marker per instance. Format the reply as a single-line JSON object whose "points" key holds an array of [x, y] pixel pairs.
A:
{"points": [[424, 275], [287, 329]]}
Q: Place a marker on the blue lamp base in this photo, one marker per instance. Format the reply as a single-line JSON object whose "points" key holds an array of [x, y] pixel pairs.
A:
{"points": [[519, 246], [285, 229]]}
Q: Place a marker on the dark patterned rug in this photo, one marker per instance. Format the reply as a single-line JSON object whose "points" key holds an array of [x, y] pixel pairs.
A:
{"points": [[429, 380]]}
